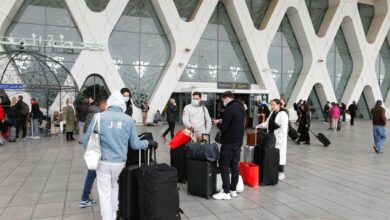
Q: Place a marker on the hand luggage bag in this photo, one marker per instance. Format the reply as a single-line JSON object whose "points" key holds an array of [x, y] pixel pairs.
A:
{"points": [[322, 138], [250, 173], [181, 138], [158, 195], [265, 140], [201, 178], [292, 133], [128, 192], [249, 153], [179, 161], [203, 150], [269, 166], [132, 155]]}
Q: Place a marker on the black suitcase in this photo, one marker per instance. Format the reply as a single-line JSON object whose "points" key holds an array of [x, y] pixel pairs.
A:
{"points": [[128, 192], [132, 155], [201, 178], [292, 133], [264, 140], [179, 161], [339, 125], [322, 138], [269, 166], [158, 194]]}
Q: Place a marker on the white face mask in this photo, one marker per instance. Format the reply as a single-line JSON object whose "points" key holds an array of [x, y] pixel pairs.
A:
{"points": [[126, 99], [195, 102]]}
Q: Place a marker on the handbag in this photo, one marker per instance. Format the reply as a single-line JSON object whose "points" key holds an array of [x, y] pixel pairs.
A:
{"points": [[181, 138], [93, 153], [203, 151]]}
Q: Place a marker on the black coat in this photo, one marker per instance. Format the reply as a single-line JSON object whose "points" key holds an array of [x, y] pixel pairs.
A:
{"points": [[232, 126], [36, 112], [83, 112], [352, 109], [305, 120], [171, 112]]}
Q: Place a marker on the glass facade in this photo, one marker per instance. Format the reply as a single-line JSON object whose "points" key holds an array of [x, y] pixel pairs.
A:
{"points": [[382, 68], [363, 109], [317, 10], [186, 8], [218, 56], [258, 9], [285, 58], [45, 19], [97, 5], [339, 64], [94, 86], [315, 105], [139, 48], [367, 13]]}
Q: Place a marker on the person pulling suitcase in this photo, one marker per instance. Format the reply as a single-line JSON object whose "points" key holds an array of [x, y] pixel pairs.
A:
{"points": [[232, 135]]}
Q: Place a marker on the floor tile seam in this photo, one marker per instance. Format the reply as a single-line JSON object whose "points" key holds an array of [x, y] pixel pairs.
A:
{"points": [[67, 186]]}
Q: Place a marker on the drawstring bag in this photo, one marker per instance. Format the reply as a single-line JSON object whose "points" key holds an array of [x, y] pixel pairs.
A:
{"points": [[92, 153]]}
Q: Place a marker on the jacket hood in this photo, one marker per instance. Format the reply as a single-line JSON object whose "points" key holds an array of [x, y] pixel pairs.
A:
{"points": [[116, 99]]}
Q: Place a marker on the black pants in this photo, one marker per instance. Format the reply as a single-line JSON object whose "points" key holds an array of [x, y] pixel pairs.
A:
{"points": [[352, 119], [228, 162], [171, 128], [21, 124], [305, 136], [281, 168], [69, 136]]}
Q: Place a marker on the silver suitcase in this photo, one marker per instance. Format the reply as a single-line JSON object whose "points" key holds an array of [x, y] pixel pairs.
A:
{"points": [[249, 153]]}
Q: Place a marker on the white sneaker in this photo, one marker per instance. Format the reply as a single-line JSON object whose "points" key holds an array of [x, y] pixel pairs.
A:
{"points": [[282, 176], [233, 194], [222, 196]]}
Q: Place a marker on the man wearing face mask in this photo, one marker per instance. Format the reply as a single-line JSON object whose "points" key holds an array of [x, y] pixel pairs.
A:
{"points": [[196, 116], [232, 134]]}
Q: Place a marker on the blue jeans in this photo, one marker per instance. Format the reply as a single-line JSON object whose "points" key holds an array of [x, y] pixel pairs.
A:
{"points": [[380, 134], [36, 128], [228, 161], [91, 175]]}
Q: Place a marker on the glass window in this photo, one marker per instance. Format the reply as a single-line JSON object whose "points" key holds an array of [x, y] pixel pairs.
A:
{"points": [[97, 5], [94, 86], [317, 10], [258, 9], [218, 55], [185, 8], [139, 48], [367, 13], [383, 69]]}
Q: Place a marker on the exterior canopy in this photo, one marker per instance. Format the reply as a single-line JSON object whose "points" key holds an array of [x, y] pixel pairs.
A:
{"points": [[46, 79]]}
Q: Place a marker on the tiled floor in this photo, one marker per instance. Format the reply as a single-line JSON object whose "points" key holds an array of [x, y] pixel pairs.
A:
{"points": [[43, 180]]}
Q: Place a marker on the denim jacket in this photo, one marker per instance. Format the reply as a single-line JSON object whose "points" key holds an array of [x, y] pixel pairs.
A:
{"points": [[117, 132]]}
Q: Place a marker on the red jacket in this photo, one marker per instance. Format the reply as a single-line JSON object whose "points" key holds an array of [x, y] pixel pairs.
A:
{"points": [[2, 114]]}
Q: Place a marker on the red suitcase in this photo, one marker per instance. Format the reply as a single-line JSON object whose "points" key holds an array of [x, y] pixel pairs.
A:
{"points": [[250, 173]]}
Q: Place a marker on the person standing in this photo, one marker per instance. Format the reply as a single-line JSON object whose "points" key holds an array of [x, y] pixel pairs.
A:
{"points": [[232, 134], [196, 117], [11, 113], [36, 115], [127, 98], [304, 125], [277, 124], [171, 118], [70, 119], [145, 109], [352, 110], [379, 122], [117, 132], [2, 115], [86, 201], [334, 114], [22, 111], [82, 113], [343, 109], [326, 112]]}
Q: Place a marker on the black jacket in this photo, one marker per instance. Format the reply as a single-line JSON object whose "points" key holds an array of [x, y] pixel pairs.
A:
{"points": [[83, 112], [35, 111], [305, 120], [129, 109], [171, 112], [352, 109], [232, 126]]}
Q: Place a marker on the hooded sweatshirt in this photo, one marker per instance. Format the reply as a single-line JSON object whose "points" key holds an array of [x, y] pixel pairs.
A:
{"points": [[197, 118]]}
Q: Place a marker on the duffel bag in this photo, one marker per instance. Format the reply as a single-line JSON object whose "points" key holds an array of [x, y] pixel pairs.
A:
{"points": [[202, 151]]}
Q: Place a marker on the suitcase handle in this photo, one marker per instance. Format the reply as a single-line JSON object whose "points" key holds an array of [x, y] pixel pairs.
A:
{"points": [[208, 137], [147, 160]]}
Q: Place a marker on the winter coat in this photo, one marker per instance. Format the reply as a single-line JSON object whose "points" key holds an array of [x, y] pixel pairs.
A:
{"points": [[83, 112], [171, 112], [2, 113], [35, 111], [70, 118], [92, 110], [304, 123], [352, 109], [232, 126], [334, 112]]}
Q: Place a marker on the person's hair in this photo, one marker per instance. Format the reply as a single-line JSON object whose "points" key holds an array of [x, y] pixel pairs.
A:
{"points": [[305, 108], [158, 110], [285, 102], [68, 100], [197, 93], [85, 101], [229, 94], [20, 97], [101, 100], [277, 101], [378, 103], [124, 90]]}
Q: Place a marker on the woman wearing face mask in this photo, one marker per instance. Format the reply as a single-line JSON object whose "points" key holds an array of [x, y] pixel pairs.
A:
{"points": [[277, 124], [70, 119], [196, 117], [126, 97]]}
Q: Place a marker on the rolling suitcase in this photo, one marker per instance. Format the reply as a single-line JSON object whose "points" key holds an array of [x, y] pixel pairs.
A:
{"points": [[322, 138], [251, 138], [128, 208], [292, 133], [179, 161], [269, 166], [12, 134], [249, 153], [201, 178], [158, 195]]}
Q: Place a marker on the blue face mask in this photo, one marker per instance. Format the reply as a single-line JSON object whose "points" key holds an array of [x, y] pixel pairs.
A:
{"points": [[195, 103], [126, 99]]}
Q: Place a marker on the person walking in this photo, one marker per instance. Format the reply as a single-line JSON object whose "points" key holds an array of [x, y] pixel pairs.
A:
{"points": [[334, 114], [232, 128], [117, 132], [171, 118], [145, 109], [127, 98], [82, 116], [343, 108], [196, 117], [352, 110], [277, 124], [86, 200], [36, 115], [326, 113], [22, 111], [304, 125], [379, 123], [70, 119]]}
